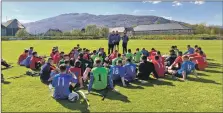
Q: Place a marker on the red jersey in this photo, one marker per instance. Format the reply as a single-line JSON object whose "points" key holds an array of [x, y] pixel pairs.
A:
{"points": [[161, 60], [112, 56], [178, 60], [52, 54], [86, 57], [33, 61], [22, 57], [76, 71], [159, 67], [201, 62], [56, 58], [193, 55]]}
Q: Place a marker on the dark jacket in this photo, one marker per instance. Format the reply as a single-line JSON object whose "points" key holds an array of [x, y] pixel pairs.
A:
{"points": [[145, 69]]}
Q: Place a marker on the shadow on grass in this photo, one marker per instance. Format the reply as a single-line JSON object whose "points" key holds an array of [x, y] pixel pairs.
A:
{"points": [[82, 106], [6, 82], [210, 59], [130, 86], [214, 65], [202, 74], [213, 71], [15, 77], [151, 83], [114, 96], [203, 80]]}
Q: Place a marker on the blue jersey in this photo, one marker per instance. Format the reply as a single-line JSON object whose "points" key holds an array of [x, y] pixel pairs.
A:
{"points": [[30, 52], [61, 83], [116, 72], [145, 53], [130, 71], [28, 61], [190, 51], [187, 67]]}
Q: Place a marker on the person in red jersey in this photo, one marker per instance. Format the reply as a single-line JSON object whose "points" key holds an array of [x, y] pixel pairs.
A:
{"points": [[22, 57], [76, 69], [113, 55], [86, 54], [36, 62], [159, 67], [200, 61], [177, 63], [52, 52], [161, 58]]}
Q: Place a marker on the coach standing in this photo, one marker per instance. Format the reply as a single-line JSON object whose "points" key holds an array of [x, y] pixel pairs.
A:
{"points": [[111, 42], [117, 40], [125, 40]]}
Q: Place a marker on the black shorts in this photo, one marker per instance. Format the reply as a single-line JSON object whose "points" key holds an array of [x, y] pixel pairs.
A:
{"points": [[116, 43], [196, 67], [178, 75]]}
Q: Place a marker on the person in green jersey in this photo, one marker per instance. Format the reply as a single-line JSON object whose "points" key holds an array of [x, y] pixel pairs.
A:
{"points": [[62, 61], [137, 56], [94, 55], [129, 54], [99, 78], [99, 57], [114, 61]]}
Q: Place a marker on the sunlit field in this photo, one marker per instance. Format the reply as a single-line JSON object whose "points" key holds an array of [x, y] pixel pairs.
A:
{"points": [[22, 93]]}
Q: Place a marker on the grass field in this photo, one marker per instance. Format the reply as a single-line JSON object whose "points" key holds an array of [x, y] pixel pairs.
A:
{"points": [[23, 93]]}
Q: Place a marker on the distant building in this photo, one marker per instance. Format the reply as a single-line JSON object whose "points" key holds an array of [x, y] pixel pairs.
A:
{"points": [[121, 30], [11, 27], [53, 32], [170, 28], [3, 30]]}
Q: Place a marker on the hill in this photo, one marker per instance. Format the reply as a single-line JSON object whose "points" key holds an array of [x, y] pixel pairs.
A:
{"points": [[66, 22]]}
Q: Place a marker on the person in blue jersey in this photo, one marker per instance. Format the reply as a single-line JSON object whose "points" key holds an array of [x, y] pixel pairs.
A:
{"points": [[46, 71], [62, 83], [117, 73], [190, 50], [145, 52], [125, 40], [31, 51], [187, 68], [130, 71], [27, 61], [117, 40], [111, 41]]}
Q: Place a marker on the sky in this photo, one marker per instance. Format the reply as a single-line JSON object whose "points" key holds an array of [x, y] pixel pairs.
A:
{"points": [[191, 12]]}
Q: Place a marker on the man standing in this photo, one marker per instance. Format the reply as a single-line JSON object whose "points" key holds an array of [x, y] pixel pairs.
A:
{"points": [[111, 41], [125, 40], [117, 40]]}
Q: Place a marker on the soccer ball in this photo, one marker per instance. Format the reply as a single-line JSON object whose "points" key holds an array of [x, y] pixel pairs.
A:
{"points": [[73, 97]]}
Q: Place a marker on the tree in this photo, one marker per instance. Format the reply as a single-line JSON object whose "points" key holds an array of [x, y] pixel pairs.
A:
{"points": [[21, 33], [104, 31], [92, 30], [67, 33], [76, 32], [213, 32], [157, 22]]}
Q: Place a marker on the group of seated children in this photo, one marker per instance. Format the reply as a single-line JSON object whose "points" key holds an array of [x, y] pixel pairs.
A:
{"points": [[66, 72]]}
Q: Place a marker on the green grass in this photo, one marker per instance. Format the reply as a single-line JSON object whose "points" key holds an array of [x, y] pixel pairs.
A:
{"points": [[28, 94]]}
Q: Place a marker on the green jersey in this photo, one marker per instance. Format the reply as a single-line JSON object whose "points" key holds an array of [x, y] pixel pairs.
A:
{"points": [[62, 61], [98, 58], [138, 56], [100, 78], [93, 57], [115, 60], [129, 56]]}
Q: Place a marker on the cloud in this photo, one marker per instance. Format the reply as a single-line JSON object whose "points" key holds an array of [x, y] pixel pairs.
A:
{"points": [[176, 3], [142, 12], [199, 2], [168, 17], [153, 2], [16, 10]]}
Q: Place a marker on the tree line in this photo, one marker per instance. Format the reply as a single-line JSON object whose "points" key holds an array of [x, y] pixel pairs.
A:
{"points": [[93, 30]]}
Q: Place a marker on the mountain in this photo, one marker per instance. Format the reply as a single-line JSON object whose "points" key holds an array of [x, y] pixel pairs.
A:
{"points": [[67, 22]]}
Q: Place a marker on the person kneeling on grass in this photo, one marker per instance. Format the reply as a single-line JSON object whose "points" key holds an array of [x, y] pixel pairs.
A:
{"points": [[130, 71], [63, 83], [187, 67], [99, 78], [117, 73], [46, 71]]}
